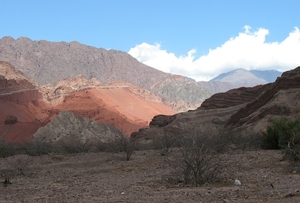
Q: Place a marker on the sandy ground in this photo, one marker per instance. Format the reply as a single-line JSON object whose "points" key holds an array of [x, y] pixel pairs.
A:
{"points": [[106, 177]]}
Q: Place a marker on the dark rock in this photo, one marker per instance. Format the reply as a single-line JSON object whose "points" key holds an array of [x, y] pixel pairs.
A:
{"points": [[161, 120], [10, 119]]}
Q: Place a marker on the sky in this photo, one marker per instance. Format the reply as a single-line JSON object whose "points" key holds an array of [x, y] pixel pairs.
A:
{"points": [[199, 39]]}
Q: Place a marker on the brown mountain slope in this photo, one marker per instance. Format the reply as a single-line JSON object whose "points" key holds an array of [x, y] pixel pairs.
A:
{"points": [[47, 62], [181, 93], [280, 97], [243, 109]]}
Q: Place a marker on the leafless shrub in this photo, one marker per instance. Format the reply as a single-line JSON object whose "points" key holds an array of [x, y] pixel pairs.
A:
{"points": [[244, 141], [20, 163], [127, 146], [199, 160], [112, 147], [164, 142], [123, 145], [15, 165]]}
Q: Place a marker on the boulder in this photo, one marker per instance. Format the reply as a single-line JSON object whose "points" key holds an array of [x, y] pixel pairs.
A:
{"points": [[10, 119]]}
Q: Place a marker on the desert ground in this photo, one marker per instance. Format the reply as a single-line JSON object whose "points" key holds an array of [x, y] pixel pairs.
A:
{"points": [[106, 177]]}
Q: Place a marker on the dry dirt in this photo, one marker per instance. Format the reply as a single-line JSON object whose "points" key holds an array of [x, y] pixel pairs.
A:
{"points": [[106, 177]]}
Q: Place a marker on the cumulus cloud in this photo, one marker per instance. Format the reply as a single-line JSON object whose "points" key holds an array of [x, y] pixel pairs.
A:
{"points": [[248, 50]]}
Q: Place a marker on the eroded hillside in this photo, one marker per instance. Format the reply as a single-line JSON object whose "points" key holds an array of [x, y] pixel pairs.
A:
{"points": [[244, 109], [121, 104]]}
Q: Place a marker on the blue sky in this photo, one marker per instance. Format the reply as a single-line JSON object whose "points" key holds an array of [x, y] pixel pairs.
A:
{"points": [[182, 37]]}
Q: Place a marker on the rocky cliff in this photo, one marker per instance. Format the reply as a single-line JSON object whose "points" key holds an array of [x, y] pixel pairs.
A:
{"points": [[243, 109]]}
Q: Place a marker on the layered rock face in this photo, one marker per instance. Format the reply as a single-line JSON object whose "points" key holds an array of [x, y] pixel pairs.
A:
{"points": [[233, 97], [279, 98], [243, 109]]}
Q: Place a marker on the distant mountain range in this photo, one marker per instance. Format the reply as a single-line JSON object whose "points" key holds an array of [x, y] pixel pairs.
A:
{"points": [[240, 78]]}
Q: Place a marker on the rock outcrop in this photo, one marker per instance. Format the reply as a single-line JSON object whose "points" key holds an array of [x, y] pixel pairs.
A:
{"points": [[242, 109], [233, 97], [279, 98], [67, 127]]}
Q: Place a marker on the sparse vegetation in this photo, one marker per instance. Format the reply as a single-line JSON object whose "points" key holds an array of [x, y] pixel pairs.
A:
{"points": [[127, 146], [199, 161], [37, 148], [165, 142], [9, 149], [244, 141], [283, 134], [76, 146]]}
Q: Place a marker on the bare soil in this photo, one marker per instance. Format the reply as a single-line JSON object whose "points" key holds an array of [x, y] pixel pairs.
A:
{"points": [[104, 177]]}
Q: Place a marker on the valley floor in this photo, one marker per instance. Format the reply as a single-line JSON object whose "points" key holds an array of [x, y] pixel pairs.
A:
{"points": [[106, 177]]}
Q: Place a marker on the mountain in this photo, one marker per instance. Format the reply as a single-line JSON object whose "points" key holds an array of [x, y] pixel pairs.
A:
{"points": [[267, 75], [240, 78], [217, 86], [242, 110], [47, 62], [181, 93], [25, 106]]}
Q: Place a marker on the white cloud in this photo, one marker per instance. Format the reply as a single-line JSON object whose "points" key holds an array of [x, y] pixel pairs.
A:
{"points": [[248, 50]]}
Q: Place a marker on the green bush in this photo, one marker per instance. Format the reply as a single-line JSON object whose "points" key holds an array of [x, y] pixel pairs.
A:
{"points": [[7, 149], [283, 134]]}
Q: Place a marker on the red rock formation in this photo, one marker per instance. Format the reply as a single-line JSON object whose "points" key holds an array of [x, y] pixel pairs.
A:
{"points": [[121, 104], [118, 106], [19, 101]]}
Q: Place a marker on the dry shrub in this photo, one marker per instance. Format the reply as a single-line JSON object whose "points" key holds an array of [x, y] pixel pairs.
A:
{"points": [[76, 145], [244, 140], [199, 161], [165, 142], [127, 146], [38, 148]]}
